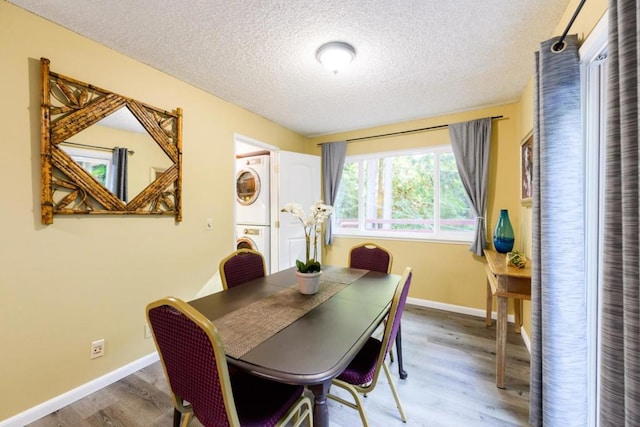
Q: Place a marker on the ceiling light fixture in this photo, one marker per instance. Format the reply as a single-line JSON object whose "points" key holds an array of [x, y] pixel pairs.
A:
{"points": [[335, 55]]}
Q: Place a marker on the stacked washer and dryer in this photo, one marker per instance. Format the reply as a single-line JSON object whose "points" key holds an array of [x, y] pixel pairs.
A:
{"points": [[252, 199]]}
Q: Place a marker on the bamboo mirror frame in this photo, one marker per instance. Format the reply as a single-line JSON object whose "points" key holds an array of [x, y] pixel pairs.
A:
{"points": [[69, 189]]}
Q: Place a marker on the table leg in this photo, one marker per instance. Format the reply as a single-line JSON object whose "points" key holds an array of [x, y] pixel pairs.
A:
{"points": [[501, 340], [320, 409], [489, 304], [517, 309], [403, 374], [177, 417]]}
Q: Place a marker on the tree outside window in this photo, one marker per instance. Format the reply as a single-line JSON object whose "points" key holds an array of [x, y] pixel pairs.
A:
{"points": [[413, 194]]}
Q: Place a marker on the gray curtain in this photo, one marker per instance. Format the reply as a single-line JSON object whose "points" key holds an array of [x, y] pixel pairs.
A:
{"points": [[333, 155], [119, 173], [558, 303], [470, 142], [620, 323]]}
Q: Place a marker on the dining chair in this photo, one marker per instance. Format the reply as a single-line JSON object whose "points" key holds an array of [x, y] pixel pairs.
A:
{"points": [[196, 369], [362, 373], [242, 266], [370, 256]]}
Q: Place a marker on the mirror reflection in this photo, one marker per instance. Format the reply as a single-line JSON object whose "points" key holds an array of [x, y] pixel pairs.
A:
{"points": [[95, 149]]}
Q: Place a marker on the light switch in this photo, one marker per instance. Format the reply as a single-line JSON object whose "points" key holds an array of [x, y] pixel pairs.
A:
{"points": [[209, 223]]}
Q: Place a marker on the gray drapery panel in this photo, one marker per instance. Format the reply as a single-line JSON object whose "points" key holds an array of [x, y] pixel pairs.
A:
{"points": [[558, 302], [620, 350], [470, 142], [333, 155], [119, 173]]}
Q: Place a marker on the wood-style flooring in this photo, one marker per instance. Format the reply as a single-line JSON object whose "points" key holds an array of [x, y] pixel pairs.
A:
{"points": [[450, 359]]}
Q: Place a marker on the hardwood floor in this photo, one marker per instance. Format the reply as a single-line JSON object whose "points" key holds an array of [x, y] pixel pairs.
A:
{"points": [[450, 359]]}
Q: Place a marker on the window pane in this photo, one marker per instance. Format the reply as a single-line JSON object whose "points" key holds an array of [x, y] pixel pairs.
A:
{"points": [[98, 168], [346, 206], [455, 212], [374, 193], [413, 192]]}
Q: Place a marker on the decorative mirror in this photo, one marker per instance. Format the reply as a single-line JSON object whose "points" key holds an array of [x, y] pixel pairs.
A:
{"points": [[103, 153]]}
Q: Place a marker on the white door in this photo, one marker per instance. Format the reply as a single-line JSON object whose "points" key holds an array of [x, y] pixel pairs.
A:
{"points": [[299, 182]]}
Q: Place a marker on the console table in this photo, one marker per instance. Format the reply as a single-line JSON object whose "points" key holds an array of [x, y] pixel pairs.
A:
{"points": [[505, 282]]}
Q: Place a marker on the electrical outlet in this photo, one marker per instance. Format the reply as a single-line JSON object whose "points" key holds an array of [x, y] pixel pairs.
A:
{"points": [[147, 331], [97, 349]]}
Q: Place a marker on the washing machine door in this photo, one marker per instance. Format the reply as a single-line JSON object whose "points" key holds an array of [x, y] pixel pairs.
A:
{"points": [[246, 243], [247, 186]]}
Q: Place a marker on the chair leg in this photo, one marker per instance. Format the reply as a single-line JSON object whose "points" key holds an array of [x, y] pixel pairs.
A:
{"points": [[182, 417], [356, 397], [401, 372], [394, 391], [186, 419], [297, 414]]}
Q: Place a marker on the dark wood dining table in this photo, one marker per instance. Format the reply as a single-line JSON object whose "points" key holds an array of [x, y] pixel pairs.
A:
{"points": [[316, 347]]}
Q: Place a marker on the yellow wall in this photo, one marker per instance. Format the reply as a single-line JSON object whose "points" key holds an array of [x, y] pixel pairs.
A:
{"points": [[444, 272], [85, 278]]}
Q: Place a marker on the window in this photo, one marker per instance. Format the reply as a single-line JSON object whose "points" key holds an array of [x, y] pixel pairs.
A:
{"points": [[96, 162], [404, 194]]}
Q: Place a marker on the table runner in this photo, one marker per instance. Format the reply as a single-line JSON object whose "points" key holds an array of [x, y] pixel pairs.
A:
{"points": [[245, 328]]}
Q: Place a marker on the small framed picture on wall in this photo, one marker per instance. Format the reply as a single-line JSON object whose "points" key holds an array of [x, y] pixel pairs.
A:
{"points": [[526, 169]]}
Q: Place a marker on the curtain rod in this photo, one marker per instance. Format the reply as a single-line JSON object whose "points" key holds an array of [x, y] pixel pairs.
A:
{"points": [[95, 147], [403, 132], [558, 46]]}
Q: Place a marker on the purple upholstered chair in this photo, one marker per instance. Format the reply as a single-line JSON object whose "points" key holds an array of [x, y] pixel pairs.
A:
{"points": [[370, 256], [196, 368], [362, 373], [242, 266]]}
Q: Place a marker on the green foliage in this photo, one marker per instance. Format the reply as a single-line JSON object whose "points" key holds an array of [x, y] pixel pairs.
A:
{"points": [[100, 173], [413, 197], [454, 202], [311, 266], [347, 203]]}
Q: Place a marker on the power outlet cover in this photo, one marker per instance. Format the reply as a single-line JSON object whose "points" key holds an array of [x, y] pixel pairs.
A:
{"points": [[97, 349]]}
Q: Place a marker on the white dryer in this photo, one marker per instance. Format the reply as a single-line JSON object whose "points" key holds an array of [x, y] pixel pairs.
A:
{"points": [[255, 237], [252, 190]]}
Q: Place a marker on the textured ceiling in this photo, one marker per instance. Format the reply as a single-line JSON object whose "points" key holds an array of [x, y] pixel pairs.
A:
{"points": [[415, 58]]}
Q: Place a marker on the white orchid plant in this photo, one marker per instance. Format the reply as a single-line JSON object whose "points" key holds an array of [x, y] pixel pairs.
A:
{"points": [[312, 225]]}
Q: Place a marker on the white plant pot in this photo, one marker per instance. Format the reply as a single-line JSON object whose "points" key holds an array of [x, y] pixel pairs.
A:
{"points": [[308, 283]]}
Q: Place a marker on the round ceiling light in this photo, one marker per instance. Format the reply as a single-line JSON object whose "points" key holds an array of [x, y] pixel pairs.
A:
{"points": [[335, 55]]}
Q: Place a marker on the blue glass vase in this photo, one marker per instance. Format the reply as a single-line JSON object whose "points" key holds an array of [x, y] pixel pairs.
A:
{"points": [[503, 234]]}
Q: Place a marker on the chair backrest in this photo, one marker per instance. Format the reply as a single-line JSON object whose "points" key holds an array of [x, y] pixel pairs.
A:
{"points": [[242, 266], [370, 256], [393, 320], [193, 360]]}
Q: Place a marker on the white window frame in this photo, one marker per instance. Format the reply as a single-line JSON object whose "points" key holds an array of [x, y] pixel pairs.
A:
{"points": [[593, 80], [436, 236], [95, 156]]}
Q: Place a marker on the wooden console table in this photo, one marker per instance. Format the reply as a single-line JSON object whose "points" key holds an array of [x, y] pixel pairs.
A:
{"points": [[504, 283]]}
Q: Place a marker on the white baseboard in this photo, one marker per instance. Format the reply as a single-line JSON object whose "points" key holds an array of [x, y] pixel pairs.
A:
{"points": [[477, 312], [58, 402], [525, 338]]}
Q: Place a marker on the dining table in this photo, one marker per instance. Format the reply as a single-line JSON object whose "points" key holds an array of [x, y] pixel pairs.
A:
{"points": [[271, 330]]}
